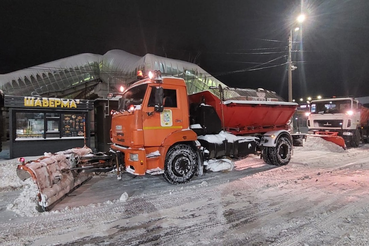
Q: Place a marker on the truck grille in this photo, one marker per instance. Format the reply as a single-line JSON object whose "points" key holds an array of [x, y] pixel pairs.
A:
{"points": [[328, 123]]}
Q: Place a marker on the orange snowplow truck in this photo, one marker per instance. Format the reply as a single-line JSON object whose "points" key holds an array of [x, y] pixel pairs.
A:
{"points": [[159, 129]]}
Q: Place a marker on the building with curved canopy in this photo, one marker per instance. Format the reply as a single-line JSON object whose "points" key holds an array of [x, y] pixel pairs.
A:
{"points": [[94, 76]]}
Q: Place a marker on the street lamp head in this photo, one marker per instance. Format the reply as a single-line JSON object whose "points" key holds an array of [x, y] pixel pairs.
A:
{"points": [[301, 18]]}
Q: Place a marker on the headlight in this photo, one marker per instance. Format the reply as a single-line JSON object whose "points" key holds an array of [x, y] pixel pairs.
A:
{"points": [[133, 157], [350, 112], [131, 108]]}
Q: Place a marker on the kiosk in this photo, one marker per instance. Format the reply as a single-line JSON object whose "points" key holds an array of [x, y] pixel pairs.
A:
{"points": [[39, 124]]}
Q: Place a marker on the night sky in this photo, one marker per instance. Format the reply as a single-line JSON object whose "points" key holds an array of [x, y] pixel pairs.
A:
{"points": [[242, 43]]}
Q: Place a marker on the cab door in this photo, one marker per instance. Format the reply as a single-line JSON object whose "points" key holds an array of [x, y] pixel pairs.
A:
{"points": [[157, 126]]}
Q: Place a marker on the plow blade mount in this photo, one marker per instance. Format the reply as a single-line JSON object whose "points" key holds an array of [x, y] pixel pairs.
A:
{"points": [[53, 176], [331, 137]]}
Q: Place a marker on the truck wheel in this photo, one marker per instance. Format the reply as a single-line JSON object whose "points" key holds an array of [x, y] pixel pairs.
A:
{"points": [[281, 154], [355, 141], [265, 154], [180, 164]]}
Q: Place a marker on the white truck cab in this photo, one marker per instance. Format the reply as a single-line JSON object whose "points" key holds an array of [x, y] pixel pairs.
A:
{"points": [[340, 115]]}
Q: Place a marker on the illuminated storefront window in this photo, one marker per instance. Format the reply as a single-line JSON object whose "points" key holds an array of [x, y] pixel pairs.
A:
{"points": [[29, 125], [49, 125], [38, 124], [73, 125]]}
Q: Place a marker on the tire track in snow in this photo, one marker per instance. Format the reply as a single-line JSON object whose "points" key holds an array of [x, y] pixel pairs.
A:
{"points": [[322, 225]]}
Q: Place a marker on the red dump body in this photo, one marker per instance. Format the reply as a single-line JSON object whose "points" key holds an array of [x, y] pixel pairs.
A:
{"points": [[245, 117], [364, 116]]}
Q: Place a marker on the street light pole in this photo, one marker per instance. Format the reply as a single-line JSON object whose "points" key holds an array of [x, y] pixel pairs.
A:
{"points": [[290, 67], [300, 19]]}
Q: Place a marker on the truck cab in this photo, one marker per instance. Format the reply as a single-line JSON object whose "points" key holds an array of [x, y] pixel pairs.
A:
{"points": [[151, 118], [336, 115]]}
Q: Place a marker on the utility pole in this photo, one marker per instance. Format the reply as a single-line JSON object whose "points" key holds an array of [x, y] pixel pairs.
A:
{"points": [[290, 67], [300, 19]]}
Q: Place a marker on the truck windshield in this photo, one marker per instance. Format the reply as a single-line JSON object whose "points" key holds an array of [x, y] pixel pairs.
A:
{"points": [[330, 107], [133, 96]]}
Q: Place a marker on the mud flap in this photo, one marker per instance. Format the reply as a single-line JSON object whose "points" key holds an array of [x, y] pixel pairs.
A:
{"points": [[200, 163], [331, 137], [53, 178]]}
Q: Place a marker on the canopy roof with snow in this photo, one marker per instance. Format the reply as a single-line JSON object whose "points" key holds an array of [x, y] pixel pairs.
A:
{"points": [[92, 75]]}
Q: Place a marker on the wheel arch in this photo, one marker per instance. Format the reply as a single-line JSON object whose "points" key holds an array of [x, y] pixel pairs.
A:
{"points": [[187, 136], [270, 139]]}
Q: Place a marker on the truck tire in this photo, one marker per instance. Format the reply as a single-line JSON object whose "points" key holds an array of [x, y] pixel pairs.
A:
{"points": [[355, 141], [281, 154], [265, 155], [180, 164]]}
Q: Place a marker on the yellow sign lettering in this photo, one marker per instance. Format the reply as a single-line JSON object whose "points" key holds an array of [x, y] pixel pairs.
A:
{"points": [[28, 101], [38, 102], [45, 102], [73, 104], [50, 102], [65, 104], [57, 102]]}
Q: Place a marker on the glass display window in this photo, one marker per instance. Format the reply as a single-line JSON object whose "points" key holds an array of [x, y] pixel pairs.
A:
{"points": [[29, 125], [73, 125], [45, 125]]}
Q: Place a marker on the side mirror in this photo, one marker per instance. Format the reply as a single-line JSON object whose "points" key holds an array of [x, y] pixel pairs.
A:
{"points": [[159, 95]]}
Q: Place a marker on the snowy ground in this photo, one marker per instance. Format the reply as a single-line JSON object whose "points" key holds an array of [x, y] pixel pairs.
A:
{"points": [[320, 198]]}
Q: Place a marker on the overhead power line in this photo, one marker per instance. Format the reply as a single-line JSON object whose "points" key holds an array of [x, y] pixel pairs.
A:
{"points": [[257, 67]]}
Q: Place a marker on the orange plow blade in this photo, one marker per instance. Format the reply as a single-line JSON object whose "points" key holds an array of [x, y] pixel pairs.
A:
{"points": [[331, 137], [53, 175]]}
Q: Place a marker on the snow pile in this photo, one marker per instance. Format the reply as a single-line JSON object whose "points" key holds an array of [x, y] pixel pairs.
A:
{"points": [[219, 138], [217, 165], [316, 143], [123, 197], [25, 204], [196, 126], [153, 154], [78, 151], [9, 179]]}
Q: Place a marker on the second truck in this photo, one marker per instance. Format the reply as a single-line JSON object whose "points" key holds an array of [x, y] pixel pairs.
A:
{"points": [[343, 120]]}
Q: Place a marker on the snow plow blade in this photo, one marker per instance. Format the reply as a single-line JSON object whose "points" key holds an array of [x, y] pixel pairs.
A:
{"points": [[54, 176], [331, 137]]}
